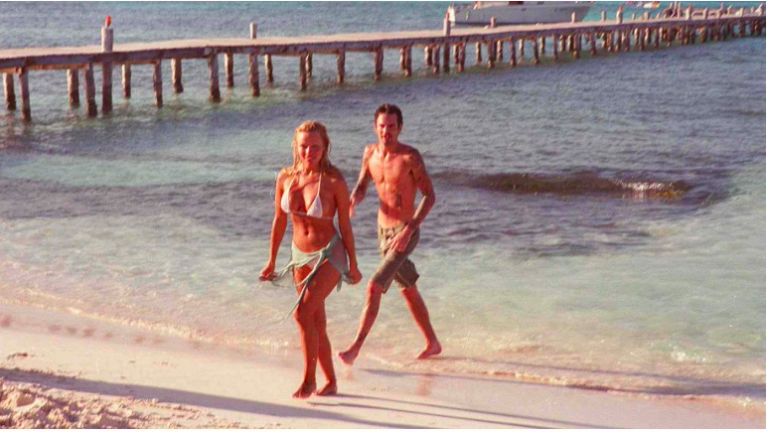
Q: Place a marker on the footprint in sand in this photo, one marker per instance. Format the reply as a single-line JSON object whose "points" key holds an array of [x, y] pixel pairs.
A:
{"points": [[88, 332], [54, 328], [139, 339], [72, 330], [6, 322]]}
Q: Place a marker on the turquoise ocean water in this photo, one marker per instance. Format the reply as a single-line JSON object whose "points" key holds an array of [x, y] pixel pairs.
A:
{"points": [[599, 223]]}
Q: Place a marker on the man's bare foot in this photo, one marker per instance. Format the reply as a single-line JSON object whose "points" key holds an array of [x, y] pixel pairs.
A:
{"points": [[330, 389], [348, 356], [305, 391], [431, 350]]}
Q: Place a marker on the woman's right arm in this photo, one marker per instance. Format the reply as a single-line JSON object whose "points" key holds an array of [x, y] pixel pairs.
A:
{"points": [[279, 225]]}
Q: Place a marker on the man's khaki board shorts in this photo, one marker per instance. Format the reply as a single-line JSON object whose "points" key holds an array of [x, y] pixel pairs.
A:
{"points": [[395, 266]]}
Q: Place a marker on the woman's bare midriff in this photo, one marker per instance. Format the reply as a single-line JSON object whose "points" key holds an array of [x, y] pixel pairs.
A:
{"points": [[311, 234]]}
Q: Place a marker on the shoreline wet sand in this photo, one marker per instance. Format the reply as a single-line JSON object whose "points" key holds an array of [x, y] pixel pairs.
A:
{"points": [[107, 375]]}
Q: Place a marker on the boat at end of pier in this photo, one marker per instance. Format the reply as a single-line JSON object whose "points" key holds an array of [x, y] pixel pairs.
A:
{"points": [[479, 13]]}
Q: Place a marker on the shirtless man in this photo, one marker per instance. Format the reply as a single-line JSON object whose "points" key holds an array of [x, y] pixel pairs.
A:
{"points": [[398, 171]]}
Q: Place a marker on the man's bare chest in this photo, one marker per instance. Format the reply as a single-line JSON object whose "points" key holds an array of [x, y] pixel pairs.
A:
{"points": [[389, 171]]}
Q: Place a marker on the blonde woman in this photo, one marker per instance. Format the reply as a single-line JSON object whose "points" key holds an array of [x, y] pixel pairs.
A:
{"points": [[311, 193]]}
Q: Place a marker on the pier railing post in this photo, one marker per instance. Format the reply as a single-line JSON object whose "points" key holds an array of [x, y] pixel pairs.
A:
{"points": [[26, 108], [90, 91], [215, 91], [157, 78], [126, 81], [10, 93], [107, 45], [176, 72], [73, 87], [253, 78]]}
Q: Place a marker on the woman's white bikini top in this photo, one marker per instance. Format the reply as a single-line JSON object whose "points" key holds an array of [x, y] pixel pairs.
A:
{"points": [[314, 210]]}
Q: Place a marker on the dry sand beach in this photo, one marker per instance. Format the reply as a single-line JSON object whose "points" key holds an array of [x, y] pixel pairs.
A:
{"points": [[65, 371]]}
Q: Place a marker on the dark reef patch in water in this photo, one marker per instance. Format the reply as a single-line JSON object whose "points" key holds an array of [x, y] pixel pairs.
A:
{"points": [[581, 183]]}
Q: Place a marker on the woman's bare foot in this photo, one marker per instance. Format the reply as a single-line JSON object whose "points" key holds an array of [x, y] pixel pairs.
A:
{"points": [[305, 391], [330, 389], [432, 349], [348, 356]]}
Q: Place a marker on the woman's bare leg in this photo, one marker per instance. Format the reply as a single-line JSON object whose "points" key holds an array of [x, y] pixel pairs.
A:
{"points": [[325, 353], [320, 288]]}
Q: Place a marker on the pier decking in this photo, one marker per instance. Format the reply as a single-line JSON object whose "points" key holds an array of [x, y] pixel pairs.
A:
{"points": [[439, 47]]}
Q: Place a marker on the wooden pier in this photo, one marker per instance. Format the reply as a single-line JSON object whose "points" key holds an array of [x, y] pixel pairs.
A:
{"points": [[639, 33]]}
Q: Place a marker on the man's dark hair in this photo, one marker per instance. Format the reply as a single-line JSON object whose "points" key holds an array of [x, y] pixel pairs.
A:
{"points": [[389, 109]]}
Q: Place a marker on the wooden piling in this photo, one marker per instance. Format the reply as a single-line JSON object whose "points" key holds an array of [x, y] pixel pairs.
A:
{"points": [[10, 93], [593, 41], [492, 54], [157, 79], [26, 108], [408, 61], [309, 65], [268, 68], [657, 38], [554, 45], [479, 53], [513, 53], [578, 45], [107, 45], [253, 76], [229, 69], [435, 60], [215, 92], [627, 41], [427, 54], [522, 49], [379, 56], [562, 43], [446, 58], [302, 70], [640, 39], [461, 57], [73, 87], [126, 81], [341, 65], [90, 91], [536, 56], [499, 50], [402, 59], [176, 73]]}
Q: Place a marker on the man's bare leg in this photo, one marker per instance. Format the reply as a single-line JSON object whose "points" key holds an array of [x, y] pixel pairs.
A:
{"points": [[421, 315], [369, 314]]}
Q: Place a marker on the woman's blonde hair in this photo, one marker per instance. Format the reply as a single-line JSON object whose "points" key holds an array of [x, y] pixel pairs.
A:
{"points": [[312, 126]]}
